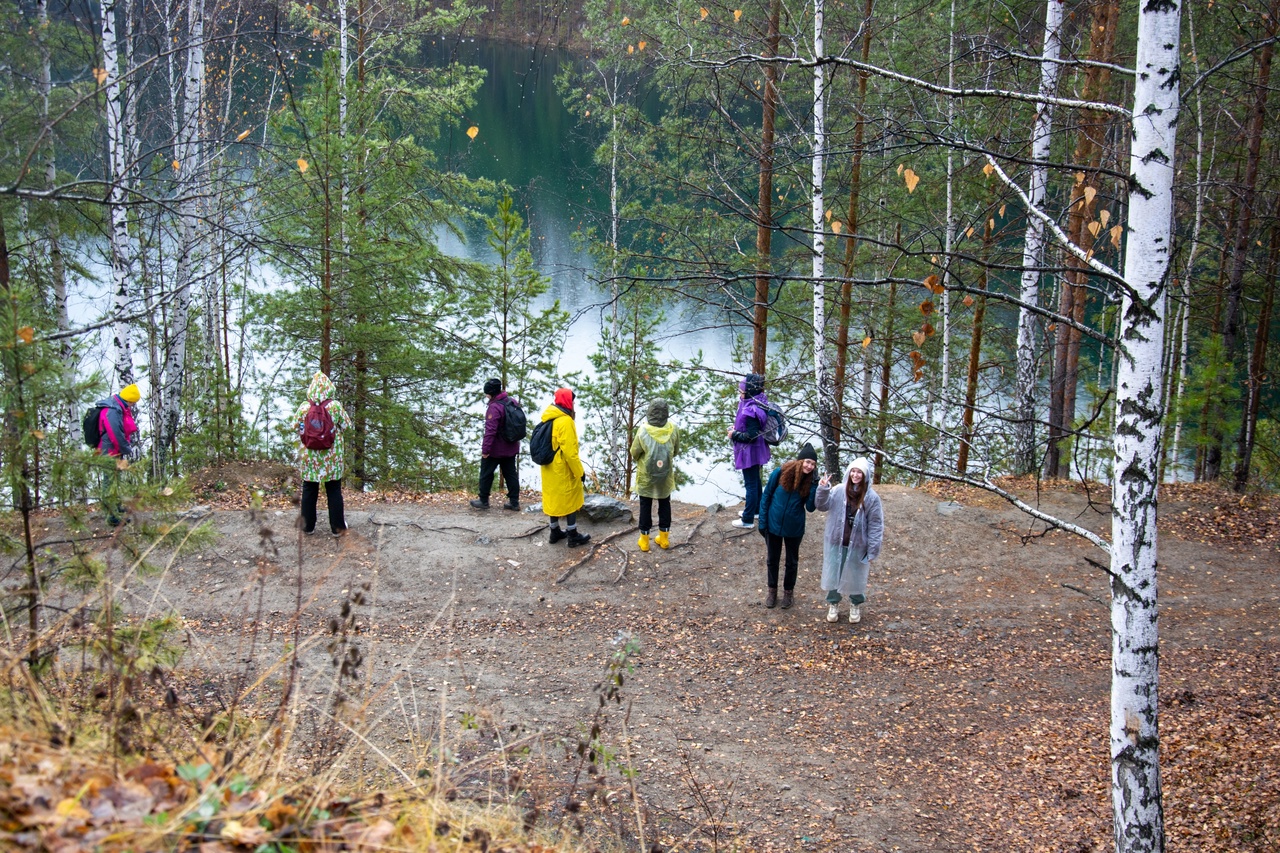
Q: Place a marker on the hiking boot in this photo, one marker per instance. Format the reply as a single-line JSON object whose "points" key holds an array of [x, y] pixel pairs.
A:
{"points": [[743, 525], [576, 538], [771, 597], [663, 542], [833, 613], [557, 534], [479, 504], [788, 599], [643, 541], [511, 505], [855, 613]]}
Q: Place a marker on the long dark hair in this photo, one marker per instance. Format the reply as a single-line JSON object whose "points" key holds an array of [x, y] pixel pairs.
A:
{"points": [[855, 492]]}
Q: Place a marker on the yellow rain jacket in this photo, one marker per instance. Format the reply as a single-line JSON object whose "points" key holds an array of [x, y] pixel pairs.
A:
{"points": [[562, 491]]}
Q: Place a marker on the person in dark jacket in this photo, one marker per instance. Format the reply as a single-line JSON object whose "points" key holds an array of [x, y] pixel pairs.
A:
{"points": [[496, 453], [116, 423], [791, 492], [750, 451], [119, 432]]}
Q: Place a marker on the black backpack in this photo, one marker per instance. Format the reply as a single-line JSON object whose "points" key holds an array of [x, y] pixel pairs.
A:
{"points": [[514, 423], [92, 425], [540, 449]]}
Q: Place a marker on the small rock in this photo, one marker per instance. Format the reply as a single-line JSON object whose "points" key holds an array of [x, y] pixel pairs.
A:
{"points": [[712, 509], [949, 508], [600, 508]]}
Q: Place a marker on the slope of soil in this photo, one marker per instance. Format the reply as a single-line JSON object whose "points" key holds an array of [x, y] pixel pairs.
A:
{"points": [[967, 711]]}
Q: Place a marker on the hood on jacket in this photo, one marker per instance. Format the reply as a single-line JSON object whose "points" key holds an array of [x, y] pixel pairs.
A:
{"points": [[321, 388], [863, 464], [658, 413], [751, 385], [564, 399]]}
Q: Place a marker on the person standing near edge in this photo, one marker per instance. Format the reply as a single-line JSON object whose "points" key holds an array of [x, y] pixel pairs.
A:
{"points": [[791, 493], [852, 538], [749, 448], [496, 452], [118, 431], [563, 479], [322, 465], [654, 447]]}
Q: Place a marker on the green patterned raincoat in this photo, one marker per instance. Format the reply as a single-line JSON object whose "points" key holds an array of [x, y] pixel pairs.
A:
{"points": [[319, 466]]}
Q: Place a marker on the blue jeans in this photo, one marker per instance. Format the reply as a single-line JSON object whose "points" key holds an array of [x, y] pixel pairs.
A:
{"points": [[751, 479]]}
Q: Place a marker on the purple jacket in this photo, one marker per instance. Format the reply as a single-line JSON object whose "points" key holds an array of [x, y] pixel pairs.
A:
{"points": [[749, 448], [494, 444]]}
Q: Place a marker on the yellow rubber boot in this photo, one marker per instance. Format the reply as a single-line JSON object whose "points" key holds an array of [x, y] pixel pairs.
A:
{"points": [[663, 542], [643, 541]]}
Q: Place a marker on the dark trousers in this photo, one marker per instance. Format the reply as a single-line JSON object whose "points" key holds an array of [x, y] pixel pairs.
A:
{"points": [[775, 544], [751, 480], [646, 514], [510, 474], [332, 496]]}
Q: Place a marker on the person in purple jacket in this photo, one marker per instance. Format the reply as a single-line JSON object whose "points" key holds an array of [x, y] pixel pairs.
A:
{"points": [[749, 448], [496, 452]]}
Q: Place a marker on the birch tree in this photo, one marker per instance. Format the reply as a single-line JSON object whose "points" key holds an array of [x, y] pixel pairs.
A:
{"points": [[1033, 243], [821, 374], [109, 78], [1135, 770]]}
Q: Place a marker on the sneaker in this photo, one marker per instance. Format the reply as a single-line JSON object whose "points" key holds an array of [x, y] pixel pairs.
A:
{"points": [[576, 538], [663, 542], [557, 534], [479, 504], [833, 613], [643, 541], [743, 525], [771, 597], [855, 613]]}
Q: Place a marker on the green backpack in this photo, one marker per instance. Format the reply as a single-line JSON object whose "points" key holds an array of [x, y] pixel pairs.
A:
{"points": [[657, 457]]}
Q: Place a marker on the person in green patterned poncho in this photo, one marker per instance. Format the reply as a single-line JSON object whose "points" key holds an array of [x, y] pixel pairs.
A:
{"points": [[322, 466]]}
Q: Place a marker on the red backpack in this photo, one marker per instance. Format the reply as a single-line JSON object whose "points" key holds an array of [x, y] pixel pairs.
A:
{"points": [[317, 428]]}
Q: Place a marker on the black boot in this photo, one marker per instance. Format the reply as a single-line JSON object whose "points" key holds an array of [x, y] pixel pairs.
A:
{"points": [[479, 504], [576, 538], [771, 598], [557, 534], [512, 505], [788, 599]]}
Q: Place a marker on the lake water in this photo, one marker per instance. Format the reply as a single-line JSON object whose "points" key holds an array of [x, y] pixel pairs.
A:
{"points": [[529, 140]]}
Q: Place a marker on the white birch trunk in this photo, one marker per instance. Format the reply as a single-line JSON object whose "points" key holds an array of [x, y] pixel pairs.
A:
{"points": [[117, 172], [1135, 770], [1033, 243], [949, 238], [821, 373], [189, 170]]}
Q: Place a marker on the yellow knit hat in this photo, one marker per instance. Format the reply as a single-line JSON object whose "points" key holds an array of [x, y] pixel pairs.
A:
{"points": [[130, 394]]}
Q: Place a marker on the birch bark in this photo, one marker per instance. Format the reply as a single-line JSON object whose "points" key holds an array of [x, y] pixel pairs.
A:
{"points": [[822, 376], [1135, 771], [117, 171], [1033, 243]]}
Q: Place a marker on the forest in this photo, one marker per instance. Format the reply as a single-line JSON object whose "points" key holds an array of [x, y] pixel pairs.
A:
{"points": [[970, 240]]}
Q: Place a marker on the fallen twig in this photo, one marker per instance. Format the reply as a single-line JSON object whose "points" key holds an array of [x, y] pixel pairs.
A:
{"points": [[533, 531], [1085, 593], [591, 552], [626, 564]]}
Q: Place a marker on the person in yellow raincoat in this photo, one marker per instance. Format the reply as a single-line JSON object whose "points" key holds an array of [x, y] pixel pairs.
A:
{"points": [[563, 478]]}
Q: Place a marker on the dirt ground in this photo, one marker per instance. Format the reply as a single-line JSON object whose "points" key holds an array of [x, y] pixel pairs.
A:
{"points": [[967, 711]]}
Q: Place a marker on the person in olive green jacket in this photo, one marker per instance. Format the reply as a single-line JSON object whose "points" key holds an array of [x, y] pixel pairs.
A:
{"points": [[656, 443]]}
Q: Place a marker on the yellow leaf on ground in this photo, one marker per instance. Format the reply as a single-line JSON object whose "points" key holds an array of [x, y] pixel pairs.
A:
{"points": [[250, 836], [631, 48], [626, 21], [642, 45]]}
